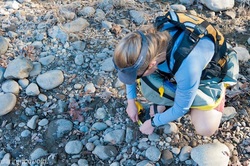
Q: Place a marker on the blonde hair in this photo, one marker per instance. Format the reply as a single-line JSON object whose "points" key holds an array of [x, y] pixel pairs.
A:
{"points": [[128, 49]]}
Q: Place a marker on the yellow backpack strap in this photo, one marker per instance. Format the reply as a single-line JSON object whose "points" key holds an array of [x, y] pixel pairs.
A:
{"points": [[197, 25], [195, 28]]}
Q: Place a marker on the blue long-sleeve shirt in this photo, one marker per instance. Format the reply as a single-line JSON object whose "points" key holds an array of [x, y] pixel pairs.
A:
{"points": [[187, 78]]}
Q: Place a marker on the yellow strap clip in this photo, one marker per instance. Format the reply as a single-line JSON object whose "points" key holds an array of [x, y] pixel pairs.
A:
{"points": [[161, 91], [139, 107], [139, 122]]}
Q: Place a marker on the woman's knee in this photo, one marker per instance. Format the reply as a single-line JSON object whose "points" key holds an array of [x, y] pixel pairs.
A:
{"points": [[205, 130], [205, 123]]}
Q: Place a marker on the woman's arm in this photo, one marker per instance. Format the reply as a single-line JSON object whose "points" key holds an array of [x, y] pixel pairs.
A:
{"points": [[188, 80], [131, 109], [131, 91]]}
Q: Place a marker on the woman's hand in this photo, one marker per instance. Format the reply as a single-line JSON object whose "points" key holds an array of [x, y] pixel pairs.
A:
{"points": [[132, 110], [146, 127]]}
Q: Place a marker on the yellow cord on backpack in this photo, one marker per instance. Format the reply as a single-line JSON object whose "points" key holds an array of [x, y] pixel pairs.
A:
{"points": [[161, 91], [139, 108]]}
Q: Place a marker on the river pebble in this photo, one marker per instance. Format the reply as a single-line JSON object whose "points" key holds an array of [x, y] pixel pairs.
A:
{"points": [[5, 160], [43, 122], [153, 153], [10, 86], [170, 128], [38, 153], [228, 113], [32, 123], [90, 146], [73, 147], [37, 68], [59, 127], [19, 68], [76, 25], [50, 79], [90, 88], [47, 60], [8, 102], [105, 152], [4, 44], [32, 90], [23, 83], [167, 157], [185, 153], [42, 97], [100, 113], [115, 137], [25, 133]]}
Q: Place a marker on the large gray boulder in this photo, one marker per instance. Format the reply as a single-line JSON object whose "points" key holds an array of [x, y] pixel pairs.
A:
{"points": [[19, 68], [211, 154]]}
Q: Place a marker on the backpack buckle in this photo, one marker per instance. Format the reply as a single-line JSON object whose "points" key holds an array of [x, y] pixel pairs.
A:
{"points": [[199, 29], [193, 37], [159, 21], [196, 34]]}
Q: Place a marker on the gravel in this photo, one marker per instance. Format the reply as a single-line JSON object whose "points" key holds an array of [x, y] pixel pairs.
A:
{"points": [[61, 102]]}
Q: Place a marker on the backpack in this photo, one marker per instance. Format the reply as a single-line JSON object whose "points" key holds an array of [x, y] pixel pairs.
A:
{"points": [[160, 87], [195, 28]]}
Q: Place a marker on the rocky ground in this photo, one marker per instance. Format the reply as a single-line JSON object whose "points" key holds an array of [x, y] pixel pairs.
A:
{"points": [[62, 104]]}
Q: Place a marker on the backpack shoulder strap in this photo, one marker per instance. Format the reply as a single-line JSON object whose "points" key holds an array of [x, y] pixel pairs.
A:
{"points": [[185, 47], [192, 34], [170, 48], [194, 29]]}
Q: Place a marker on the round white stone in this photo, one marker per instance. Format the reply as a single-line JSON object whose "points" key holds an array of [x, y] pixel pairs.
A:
{"points": [[50, 79], [73, 147], [8, 102]]}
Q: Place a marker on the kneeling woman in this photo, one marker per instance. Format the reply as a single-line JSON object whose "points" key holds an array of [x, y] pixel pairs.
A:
{"points": [[142, 55]]}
